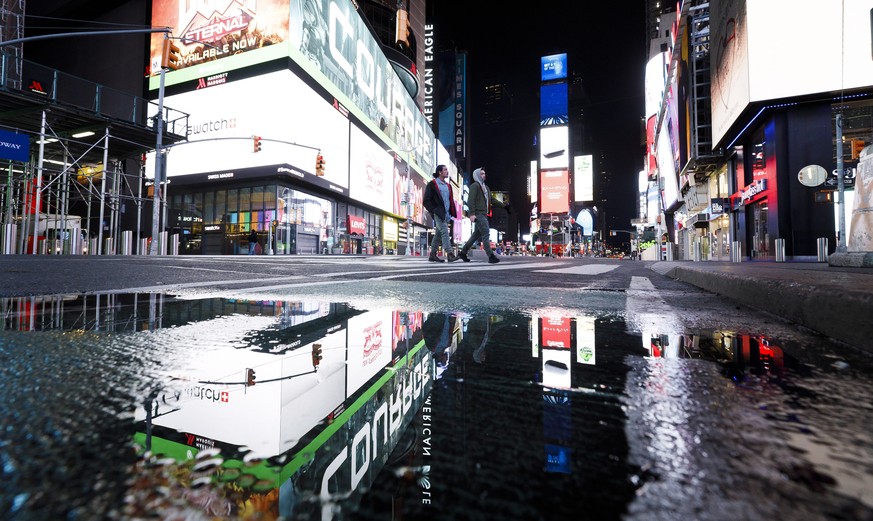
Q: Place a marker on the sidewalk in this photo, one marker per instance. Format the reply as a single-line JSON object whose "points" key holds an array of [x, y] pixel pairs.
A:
{"points": [[834, 301]]}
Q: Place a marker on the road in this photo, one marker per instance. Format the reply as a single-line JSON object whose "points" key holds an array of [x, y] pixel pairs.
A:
{"points": [[672, 402]]}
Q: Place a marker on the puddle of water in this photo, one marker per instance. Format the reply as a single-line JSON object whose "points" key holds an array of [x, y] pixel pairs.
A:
{"points": [[229, 408]]}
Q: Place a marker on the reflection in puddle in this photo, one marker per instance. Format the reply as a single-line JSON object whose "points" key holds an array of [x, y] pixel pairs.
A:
{"points": [[311, 410]]}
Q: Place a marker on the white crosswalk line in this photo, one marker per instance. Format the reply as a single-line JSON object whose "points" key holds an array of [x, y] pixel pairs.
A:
{"points": [[646, 311], [586, 269]]}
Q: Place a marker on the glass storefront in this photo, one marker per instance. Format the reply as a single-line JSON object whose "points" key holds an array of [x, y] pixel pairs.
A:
{"points": [[287, 220], [218, 222]]}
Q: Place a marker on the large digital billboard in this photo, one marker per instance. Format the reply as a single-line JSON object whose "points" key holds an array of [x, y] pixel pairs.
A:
{"points": [[554, 147], [583, 178], [554, 191], [220, 132], [553, 67], [329, 41], [761, 55], [553, 104], [216, 37]]}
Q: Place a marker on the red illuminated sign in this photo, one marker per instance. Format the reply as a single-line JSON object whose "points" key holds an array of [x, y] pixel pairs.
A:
{"points": [[554, 191], [555, 332], [356, 225]]}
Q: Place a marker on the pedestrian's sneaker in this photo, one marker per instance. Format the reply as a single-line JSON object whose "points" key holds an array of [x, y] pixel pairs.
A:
{"points": [[463, 256], [434, 258], [493, 259], [451, 257]]}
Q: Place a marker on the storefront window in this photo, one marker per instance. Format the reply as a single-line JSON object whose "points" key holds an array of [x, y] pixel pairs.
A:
{"points": [[220, 206], [209, 208], [232, 211], [247, 217]]}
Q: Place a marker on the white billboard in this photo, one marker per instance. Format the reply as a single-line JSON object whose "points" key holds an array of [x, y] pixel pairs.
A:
{"points": [[773, 49], [583, 178], [554, 147], [293, 122], [656, 79], [371, 172], [533, 186]]}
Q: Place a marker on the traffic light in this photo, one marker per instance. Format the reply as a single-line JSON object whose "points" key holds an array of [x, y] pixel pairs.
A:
{"points": [[316, 355], [250, 377], [857, 146], [256, 144], [171, 57], [319, 165]]}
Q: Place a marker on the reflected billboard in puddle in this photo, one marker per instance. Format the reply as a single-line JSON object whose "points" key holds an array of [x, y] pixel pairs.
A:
{"points": [[307, 409]]}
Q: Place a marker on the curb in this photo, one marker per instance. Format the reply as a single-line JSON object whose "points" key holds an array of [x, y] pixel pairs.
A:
{"points": [[840, 313]]}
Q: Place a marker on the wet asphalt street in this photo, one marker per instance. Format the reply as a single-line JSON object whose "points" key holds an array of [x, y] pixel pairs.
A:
{"points": [[536, 388]]}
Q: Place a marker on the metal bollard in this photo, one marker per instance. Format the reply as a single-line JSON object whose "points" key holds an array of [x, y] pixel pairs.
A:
{"points": [[92, 246], [127, 242], [10, 233], [736, 252], [822, 249], [143, 246], [780, 250], [174, 244]]}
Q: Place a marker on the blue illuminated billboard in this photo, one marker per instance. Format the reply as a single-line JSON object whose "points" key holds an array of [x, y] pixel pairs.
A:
{"points": [[553, 67], [553, 104]]}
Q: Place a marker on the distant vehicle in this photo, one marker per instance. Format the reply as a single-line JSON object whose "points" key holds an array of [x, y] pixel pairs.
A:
{"points": [[54, 234], [545, 248]]}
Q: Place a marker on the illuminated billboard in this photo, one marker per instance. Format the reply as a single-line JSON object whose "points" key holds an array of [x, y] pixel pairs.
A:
{"points": [[329, 41], [214, 39], [554, 145], [553, 104], [553, 67], [743, 66], [583, 178], [554, 191], [220, 133]]}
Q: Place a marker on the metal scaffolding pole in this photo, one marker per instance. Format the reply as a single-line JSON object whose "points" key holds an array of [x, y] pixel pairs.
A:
{"points": [[102, 193]]}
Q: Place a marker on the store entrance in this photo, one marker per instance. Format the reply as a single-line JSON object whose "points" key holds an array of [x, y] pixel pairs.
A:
{"points": [[760, 233]]}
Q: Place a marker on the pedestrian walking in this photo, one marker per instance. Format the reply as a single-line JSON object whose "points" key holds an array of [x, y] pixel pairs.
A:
{"points": [[439, 201], [253, 240], [479, 204]]}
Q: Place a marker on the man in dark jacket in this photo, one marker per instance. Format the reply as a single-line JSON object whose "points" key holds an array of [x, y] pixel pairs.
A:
{"points": [[479, 202], [440, 203]]}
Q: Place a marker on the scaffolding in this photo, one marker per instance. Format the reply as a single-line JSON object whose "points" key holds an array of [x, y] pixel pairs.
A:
{"points": [[86, 145]]}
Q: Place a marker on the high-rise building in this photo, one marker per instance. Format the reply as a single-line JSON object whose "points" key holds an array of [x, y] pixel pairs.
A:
{"points": [[496, 103]]}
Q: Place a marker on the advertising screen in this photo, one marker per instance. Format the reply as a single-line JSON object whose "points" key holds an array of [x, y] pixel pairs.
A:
{"points": [[553, 67], [759, 60], [220, 133], [216, 37], [371, 172], [554, 144], [328, 40], [553, 104], [583, 178], [554, 191]]}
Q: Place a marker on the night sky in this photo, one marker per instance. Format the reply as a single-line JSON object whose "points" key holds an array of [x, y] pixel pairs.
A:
{"points": [[606, 45]]}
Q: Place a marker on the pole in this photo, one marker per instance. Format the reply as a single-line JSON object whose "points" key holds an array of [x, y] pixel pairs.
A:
{"points": [[103, 194], [841, 188], [156, 200], [408, 203]]}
